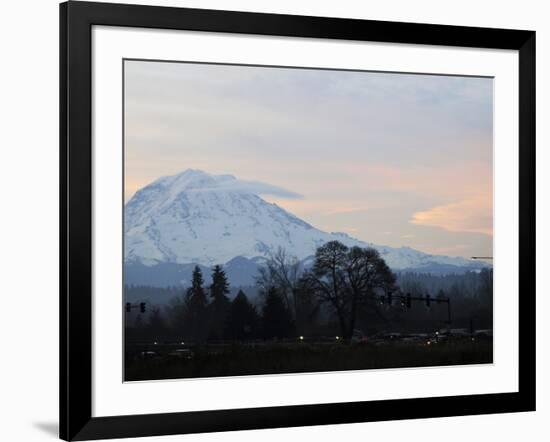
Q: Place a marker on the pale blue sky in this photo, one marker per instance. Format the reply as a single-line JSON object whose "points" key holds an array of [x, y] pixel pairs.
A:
{"points": [[389, 158]]}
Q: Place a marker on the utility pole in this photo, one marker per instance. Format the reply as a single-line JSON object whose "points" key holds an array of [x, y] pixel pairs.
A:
{"points": [[449, 314]]}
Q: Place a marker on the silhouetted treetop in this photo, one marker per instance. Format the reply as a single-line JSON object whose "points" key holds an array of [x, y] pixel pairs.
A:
{"points": [[219, 287], [242, 322], [346, 277]]}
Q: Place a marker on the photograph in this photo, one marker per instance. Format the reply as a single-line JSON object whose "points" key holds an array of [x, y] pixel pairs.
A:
{"points": [[288, 219]]}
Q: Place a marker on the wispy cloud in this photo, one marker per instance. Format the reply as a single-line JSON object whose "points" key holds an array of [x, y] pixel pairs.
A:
{"points": [[350, 229], [259, 188], [473, 216]]}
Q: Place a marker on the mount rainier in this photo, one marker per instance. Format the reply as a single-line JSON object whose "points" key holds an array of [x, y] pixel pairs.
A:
{"points": [[194, 218]]}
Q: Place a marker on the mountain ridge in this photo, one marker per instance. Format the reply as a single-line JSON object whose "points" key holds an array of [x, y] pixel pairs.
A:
{"points": [[195, 217]]}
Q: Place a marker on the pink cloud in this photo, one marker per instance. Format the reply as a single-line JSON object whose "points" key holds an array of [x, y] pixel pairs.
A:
{"points": [[473, 215]]}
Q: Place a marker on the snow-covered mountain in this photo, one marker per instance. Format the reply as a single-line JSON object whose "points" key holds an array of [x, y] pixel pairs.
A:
{"points": [[195, 217]]}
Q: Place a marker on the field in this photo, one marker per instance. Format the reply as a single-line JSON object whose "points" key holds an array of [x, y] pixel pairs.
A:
{"points": [[172, 361]]}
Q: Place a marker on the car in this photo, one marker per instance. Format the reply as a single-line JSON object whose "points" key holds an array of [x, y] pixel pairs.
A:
{"points": [[391, 336], [182, 353], [452, 334], [483, 334], [415, 337], [459, 333], [148, 355]]}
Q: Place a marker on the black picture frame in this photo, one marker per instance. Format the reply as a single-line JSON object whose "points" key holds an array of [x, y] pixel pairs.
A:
{"points": [[76, 21]]}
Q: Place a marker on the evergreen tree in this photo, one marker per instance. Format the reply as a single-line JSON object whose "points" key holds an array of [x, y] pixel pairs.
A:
{"points": [[156, 322], [177, 315], [196, 308], [486, 286], [307, 308], [138, 322], [219, 307], [242, 321], [276, 318], [220, 286]]}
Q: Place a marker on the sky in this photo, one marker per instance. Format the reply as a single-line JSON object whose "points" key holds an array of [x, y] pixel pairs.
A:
{"points": [[392, 159]]}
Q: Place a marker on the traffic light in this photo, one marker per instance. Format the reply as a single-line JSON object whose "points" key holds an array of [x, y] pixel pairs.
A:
{"points": [[128, 307], [382, 299], [408, 300], [142, 307], [390, 298], [428, 300]]}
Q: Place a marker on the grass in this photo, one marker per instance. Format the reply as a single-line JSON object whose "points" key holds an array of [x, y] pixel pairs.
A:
{"points": [[239, 360]]}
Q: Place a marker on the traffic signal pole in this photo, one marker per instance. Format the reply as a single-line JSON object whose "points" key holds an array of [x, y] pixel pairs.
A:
{"points": [[407, 299], [130, 306]]}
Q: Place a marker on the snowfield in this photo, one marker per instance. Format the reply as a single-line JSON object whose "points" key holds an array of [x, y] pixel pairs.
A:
{"points": [[195, 217]]}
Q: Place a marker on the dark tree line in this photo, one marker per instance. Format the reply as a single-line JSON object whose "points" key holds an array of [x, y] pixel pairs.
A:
{"points": [[341, 282], [342, 278], [208, 315], [473, 284], [339, 294]]}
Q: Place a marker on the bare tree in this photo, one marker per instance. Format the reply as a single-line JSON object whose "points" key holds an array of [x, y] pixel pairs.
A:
{"points": [[346, 277], [282, 272]]}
